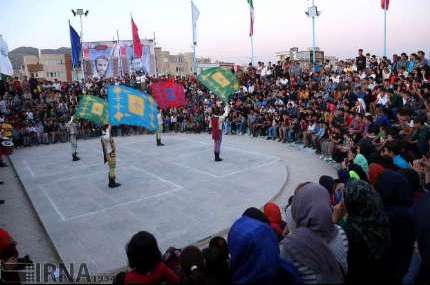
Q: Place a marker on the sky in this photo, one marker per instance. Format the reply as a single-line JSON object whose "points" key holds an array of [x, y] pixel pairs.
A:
{"points": [[223, 26]]}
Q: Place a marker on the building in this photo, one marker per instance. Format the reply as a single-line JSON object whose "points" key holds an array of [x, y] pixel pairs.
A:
{"points": [[304, 57], [48, 66], [176, 64]]}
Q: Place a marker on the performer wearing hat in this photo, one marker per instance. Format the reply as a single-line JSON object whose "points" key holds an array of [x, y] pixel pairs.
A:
{"points": [[216, 125], [73, 131], [160, 128], [109, 154]]}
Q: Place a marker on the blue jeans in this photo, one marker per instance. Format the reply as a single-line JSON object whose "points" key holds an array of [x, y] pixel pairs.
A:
{"points": [[291, 136], [242, 128], [226, 126], [271, 133]]}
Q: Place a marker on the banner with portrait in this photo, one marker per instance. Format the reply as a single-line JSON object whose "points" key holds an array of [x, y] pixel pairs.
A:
{"points": [[106, 59]]}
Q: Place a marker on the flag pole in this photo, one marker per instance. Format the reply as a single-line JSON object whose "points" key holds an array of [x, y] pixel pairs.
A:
{"points": [[193, 26], [120, 57], [385, 28], [313, 37], [82, 50], [252, 50], [251, 29], [155, 58]]}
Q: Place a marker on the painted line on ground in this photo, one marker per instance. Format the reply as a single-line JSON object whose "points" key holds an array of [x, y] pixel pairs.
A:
{"points": [[123, 204], [28, 167], [53, 204], [251, 168], [155, 176]]}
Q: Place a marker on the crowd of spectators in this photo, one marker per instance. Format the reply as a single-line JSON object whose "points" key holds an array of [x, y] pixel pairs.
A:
{"points": [[368, 116]]}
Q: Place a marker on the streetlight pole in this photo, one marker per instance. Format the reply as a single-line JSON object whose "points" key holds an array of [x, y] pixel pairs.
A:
{"points": [[313, 12], [80, 13]]}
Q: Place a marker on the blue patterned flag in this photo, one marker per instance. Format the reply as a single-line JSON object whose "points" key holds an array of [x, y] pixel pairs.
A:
{"points": [[128, 106]]}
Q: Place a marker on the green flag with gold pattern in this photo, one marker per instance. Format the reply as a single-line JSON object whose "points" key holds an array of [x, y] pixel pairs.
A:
{"points": [[220, 81], [92, 109]]}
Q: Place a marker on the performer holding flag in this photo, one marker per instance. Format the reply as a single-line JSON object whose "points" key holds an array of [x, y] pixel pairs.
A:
{"points": [[216, 125], [160, 128], [73, 131], [109, 154]]}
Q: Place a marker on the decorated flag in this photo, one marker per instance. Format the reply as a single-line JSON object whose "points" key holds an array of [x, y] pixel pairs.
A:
{"points": [[168, 94], [195, 13], [75, 42], [92, 109], [128, 106], [251, 21], [385, 4], [137, 46], [220, 81]]}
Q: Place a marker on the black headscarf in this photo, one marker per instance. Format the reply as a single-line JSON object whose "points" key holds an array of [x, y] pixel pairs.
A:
{"points": [[366, 221]]}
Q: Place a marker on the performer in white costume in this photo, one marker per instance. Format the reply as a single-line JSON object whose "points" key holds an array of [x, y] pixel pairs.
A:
{"points": [[109, 154], [73, 132]]}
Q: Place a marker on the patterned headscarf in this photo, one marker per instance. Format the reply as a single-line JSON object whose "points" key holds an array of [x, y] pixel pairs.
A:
{"points": [[367, 221]]}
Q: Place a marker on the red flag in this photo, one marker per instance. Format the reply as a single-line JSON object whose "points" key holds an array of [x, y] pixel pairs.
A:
{"points": [[137, 46], [168, 94], [385, 4]]}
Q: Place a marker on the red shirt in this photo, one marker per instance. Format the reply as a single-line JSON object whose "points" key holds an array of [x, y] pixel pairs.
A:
{"points": [[161, 273], [216, 133]]}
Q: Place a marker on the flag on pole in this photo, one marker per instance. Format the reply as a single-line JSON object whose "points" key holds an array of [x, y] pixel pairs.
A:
{"points": [[195, 13], [137, 46], [75, 42], [220, 81], [385, 4], [251, 21], [168, 94], [128, 106], [92, 109]]}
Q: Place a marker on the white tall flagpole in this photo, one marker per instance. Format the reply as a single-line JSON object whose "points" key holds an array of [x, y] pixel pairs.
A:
{"points": [[251, 28], [195, 13], [120, 57], [385, 28]]}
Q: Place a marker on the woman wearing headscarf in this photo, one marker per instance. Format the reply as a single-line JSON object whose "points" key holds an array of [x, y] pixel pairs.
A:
{"points": [[368, 233], [317, 247], [273, 214], [397, 198], [375, 170], [254, 253]]}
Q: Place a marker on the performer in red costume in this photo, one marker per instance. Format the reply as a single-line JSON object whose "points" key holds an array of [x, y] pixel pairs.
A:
{"points": [[216, 125]]}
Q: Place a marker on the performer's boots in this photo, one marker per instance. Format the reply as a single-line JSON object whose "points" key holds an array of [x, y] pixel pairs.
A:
{"points": [[112, 183], [2, 164], [75, 157], [159, 142], [217, 158]]}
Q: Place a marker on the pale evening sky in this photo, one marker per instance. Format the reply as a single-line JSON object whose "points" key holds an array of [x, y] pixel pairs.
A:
{"points": [[343, 27]]}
